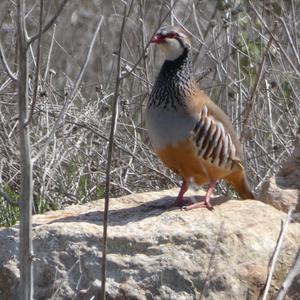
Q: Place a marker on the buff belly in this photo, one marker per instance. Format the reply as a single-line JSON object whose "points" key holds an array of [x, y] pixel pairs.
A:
{"points": [[182, 158]]}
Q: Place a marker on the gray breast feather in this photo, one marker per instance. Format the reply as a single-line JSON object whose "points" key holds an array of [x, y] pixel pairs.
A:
{"points": [[167, 126]]}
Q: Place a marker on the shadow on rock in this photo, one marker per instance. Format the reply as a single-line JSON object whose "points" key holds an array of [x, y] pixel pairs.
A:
{"points": [[124, 216]]}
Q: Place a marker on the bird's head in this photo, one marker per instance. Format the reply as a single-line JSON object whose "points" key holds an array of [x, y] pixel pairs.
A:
{"points": [[172, 40]]}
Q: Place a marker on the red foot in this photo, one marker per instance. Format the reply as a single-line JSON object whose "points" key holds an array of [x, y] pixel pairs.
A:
{"points": [[206, 203], [179, 200]]}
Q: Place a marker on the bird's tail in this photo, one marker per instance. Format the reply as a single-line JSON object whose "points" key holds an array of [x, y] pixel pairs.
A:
{"points": [[240, 183]]}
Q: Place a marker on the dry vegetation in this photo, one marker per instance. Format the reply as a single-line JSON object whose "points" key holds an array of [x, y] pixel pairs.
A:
{"points": [[246, 57]]}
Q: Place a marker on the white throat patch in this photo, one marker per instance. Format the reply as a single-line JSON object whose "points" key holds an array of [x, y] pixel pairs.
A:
{"points": [[172, 49]]}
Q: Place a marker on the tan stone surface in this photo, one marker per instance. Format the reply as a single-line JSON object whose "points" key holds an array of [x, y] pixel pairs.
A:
{"points": [[283, 189], [153, 252]]}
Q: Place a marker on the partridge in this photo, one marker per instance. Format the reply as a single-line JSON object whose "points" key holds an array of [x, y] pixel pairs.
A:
{"points": [[189, 133]]}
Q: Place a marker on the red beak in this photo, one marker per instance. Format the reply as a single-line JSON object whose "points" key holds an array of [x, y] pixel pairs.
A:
{"points": [[157, 39]]}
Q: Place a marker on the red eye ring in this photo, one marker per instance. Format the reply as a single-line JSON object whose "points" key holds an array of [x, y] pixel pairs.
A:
{"points": [[160, 37], [172, 35]]}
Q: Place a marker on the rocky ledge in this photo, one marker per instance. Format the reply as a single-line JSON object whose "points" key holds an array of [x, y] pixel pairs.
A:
{"points": [[282, 190], [154, 252]]}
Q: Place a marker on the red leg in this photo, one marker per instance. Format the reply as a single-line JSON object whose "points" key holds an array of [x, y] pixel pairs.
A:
{"points": [[206, 200], [179, 200]]}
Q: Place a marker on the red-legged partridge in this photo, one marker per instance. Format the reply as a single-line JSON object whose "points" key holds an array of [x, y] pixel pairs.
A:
{"points": [[190, 134]]}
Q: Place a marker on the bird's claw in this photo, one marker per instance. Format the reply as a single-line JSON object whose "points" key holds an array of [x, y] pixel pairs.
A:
{"points": [[198, 205]]}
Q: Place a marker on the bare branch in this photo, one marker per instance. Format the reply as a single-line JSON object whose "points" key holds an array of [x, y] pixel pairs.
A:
{"points": [[250, 101], [49, 54], [293, 272], [37, 67], [281, 237], [109, 156], [122, 148], [296, 54], [72, 96], [275, 39], [26, 194], [147, 45], [5, 64], [50, 22]]}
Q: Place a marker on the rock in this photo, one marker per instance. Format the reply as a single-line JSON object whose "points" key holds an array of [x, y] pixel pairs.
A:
{"points": [[283, 189], [153, 252]]}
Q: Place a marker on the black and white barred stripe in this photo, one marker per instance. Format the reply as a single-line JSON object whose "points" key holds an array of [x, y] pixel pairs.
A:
{"points": [[173, 84], [214, 144]]}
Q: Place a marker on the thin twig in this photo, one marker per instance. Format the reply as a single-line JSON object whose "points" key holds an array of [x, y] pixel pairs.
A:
{"points": [[296, 54], [37, 67], [26, 193], [58, 288], [5, 64], [50, 22], [147, 45], [281, 237], [293, 272], [122, 148], [109, 157], [278, 43], [72, 96], [172, 14], [250, 101], [239, 98], [49, 55], [294, 26]]}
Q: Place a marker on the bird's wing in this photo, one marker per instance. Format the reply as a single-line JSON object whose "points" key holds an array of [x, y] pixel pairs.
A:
{"points": [[214, 141]]}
